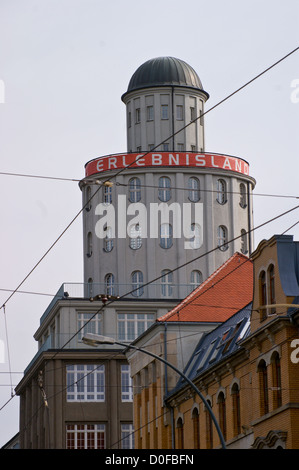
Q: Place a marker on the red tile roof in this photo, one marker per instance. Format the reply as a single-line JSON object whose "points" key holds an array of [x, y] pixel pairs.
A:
{"points": [[225, 292]]}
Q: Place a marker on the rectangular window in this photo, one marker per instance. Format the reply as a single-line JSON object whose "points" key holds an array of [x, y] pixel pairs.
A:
{"points": [[165, 147], [126, 383], [107, 194], [192, 113], [89, 323], [85, 436], [85, 382], [164, 111], [127, 436], [131, 325], [180, 147], [137, 115], [150, 113], [129, 119], [179, 113]]}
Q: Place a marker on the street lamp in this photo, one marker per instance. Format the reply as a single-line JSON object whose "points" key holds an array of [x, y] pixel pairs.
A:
{"points": [[92, 340]]}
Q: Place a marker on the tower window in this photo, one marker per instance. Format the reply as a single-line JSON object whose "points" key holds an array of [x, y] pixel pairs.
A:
{"points": [[195, 279], [89, 244], [263, 294], [135, 236], [137, 115], [179, 113], [244, 248], [166, 283], [192, 113], [222, 238], [134, 190], [150, 113], [165, 147], [193, 185], [137, 283], [164, 189], [109, 284], [107, 194], [88, 199], [166, 235], [164, 111], [221, 191], [243, 202], [108, 242]]}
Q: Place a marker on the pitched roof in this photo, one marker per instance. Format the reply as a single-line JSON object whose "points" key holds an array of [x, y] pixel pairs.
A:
{"points": [[225, 292], [218, 344]]}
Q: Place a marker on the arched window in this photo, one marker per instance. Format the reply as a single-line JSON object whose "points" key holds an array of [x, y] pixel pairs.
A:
{"points": [[196, 434], [89, 244], [134, 190], [195, 279], [244, 248], [276, 377], [271, 280], [166, 235], [222, 414], [164, 192], [180, 428], [195, 241], [108, 241], [236, 409], [90, 287], [193, 186], [107, 194], [263, 383], [221, 191], [166, 283], [263, 294], [135, 236], [137, 283], [88, 199], [109, 284], [209, 428], [243, 202], [222, 238]]}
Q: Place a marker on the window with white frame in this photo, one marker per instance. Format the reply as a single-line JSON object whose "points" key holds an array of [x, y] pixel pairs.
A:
{"points": [[195, 279], [126, 383], [131, 325], [85, 382], [89, 323], [164, 193], [137, 283], [107, 194], [193, 186], [127, 436], [85, 436], [179, 112], [137, 115], [164, 111], [108, 240], [222, 238], [195, 240], [221, 191], [109, 284], [166, 283], [165, 147], [243, 202], [135, 236], [150, 113], [166, 235], [134, 190]]}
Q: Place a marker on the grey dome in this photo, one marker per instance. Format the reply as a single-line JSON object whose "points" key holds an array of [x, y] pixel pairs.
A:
{"points": [[165, 71]]}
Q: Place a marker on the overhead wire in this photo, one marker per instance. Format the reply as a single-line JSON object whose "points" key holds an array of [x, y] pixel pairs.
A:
{"points": [[122, 170], [128, 166]]}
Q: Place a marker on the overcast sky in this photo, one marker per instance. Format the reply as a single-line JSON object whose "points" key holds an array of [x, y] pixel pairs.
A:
{"points": [[64, 65]]}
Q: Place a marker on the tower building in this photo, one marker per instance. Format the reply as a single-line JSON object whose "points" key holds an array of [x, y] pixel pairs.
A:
{"points": [[168, 200]]}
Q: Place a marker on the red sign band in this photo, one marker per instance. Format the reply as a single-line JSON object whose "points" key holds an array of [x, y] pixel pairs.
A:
{"points": [[166, 159]]}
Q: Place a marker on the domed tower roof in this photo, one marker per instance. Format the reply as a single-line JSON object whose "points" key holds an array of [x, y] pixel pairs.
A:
{"points": [[165, 71]]}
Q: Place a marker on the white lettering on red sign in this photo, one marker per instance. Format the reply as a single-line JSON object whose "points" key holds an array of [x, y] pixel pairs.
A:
{"points": [[165, 159]]}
